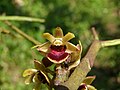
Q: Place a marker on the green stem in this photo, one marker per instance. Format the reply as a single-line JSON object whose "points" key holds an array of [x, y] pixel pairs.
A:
{"points": [[110, 42], [21, 18], [22, 33]]}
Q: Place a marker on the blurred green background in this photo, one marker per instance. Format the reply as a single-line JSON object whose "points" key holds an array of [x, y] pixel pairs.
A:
{"points": [[76, 16]]}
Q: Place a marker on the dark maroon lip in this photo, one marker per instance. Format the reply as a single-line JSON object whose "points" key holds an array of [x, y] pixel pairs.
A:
{"points": [[84, 86], [57, 53]]}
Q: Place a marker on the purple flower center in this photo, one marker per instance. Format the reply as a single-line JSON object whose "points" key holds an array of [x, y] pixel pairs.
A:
{"points": [[57, 53], [84, 86]]}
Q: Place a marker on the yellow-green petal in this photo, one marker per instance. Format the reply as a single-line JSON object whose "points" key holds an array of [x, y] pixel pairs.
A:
{"points": [[80, 46], [29, 72], [46, 76], [39, 66], [75, 64], [88, 80], [35, 78], [75, 52], [49, 37], [71, 47], [43, 47], [68, 37], [28, 79], [90, 87], [58, 32]]}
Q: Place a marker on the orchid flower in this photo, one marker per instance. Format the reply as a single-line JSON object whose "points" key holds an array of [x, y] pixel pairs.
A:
{"points": [[85, 85], [59, 50], [64, 55], [37, 75]]}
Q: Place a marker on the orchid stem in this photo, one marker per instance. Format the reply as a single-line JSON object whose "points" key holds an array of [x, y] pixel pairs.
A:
{"points": [[21, 18], [110, 42]]}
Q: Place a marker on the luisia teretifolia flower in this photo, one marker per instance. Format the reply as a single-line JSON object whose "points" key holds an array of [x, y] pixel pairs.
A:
{"points": [[37, 75], [59, 50], [64, 54], [85, 85]]}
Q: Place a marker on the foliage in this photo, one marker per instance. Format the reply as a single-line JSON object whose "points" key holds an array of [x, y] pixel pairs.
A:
{"points": [[76, 16]]}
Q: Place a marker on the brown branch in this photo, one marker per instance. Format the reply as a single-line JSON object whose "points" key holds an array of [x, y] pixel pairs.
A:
{"points": [[83, 68], [95, 35], [87, 62]]}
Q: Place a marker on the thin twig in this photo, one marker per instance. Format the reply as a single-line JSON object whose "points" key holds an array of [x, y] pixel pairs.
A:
{"points": [[95, 33], [22, 33], [21, 18]]}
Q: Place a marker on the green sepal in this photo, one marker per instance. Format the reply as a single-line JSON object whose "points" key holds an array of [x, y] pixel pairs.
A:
{"points": [[90, 87], [68, 37], [88, 80], [28, 72], [49, 37], [28, 79], [39, 66], [58, 32]]}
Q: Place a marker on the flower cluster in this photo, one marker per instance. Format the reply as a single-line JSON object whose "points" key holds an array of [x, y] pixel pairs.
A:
{"points": [[60, 52], [37, 75]]}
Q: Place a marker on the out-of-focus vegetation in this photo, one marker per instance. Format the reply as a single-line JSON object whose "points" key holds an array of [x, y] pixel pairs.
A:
{"points": [[76, 16]]}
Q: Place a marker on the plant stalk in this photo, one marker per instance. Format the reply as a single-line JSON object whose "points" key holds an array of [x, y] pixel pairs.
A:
{"points": [[21, 18]]}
